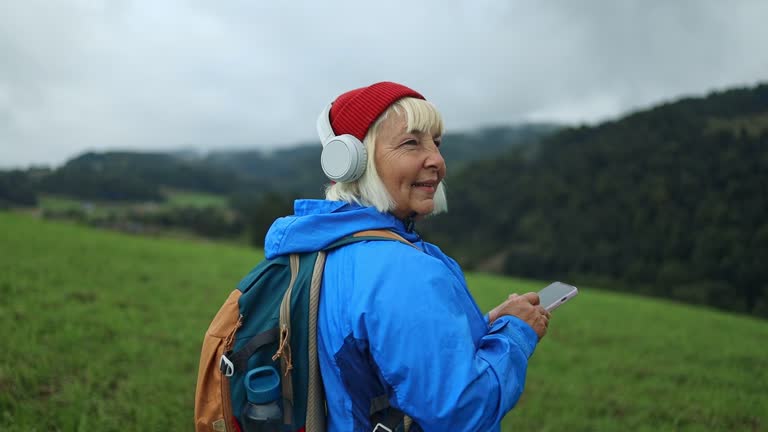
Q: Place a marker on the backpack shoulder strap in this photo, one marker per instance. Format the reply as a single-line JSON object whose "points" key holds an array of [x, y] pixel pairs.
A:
{"points": [[315, 419], [369, 235]]}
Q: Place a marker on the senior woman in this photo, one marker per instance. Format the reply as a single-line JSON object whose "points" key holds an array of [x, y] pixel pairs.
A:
{"points": [[397, 326]]}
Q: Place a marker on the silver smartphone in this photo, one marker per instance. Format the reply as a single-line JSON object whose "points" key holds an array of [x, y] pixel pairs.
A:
{"points": [[555, 294]]}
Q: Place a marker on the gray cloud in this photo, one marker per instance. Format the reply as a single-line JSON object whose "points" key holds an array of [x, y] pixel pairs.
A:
{"points": [[78, 75]]}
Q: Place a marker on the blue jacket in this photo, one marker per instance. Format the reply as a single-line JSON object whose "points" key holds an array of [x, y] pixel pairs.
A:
{"points": [[401, 322]]}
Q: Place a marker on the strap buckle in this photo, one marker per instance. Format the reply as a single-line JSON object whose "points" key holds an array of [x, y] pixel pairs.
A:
{"points": [[381, 428], [226, 366]]}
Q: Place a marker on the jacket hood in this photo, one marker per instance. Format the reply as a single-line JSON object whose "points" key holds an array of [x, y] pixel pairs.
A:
{"points": [[316, 224]]}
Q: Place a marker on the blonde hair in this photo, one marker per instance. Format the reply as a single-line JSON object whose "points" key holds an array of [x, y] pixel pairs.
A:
{"points": [[369, 190]]}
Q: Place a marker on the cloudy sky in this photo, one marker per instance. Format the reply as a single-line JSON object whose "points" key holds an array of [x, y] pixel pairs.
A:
{"points": [[78, 75]]}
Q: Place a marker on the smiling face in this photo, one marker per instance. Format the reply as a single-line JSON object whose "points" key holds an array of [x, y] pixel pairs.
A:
{"points": [[409, 164]]}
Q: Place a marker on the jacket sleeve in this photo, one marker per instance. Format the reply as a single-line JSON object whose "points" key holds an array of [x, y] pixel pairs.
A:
{"points": [[446, 367]]}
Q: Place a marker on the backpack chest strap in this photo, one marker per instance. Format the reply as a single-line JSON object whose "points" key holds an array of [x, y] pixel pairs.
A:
{"points": [[238, 361]]}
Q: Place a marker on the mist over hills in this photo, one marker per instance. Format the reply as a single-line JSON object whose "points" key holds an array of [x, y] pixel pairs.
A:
{"points": [[297, 169]]}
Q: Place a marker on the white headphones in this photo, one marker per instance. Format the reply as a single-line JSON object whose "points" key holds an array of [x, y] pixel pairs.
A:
{"points": [[344, 156]]}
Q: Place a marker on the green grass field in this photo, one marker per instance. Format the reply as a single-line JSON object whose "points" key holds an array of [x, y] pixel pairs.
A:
{"points": [[101, 331], [174, 198], [181, 198]]}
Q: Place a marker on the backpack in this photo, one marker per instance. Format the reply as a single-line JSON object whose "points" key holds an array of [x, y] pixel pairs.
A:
{"points": [[270, 320]]}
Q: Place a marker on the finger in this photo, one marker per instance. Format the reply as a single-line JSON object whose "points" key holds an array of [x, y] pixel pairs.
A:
{"points": [[542, 331], [532, 298]]}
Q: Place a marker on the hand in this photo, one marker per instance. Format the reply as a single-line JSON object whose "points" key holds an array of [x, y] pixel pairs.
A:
{"points": [[526, 307]]}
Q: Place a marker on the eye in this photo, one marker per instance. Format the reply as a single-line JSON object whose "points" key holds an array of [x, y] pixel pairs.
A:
{"points": [[437, 141], [410, 142]]}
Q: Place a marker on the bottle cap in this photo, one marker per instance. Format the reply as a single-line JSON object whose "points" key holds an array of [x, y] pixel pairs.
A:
{"points": [[262, 385]]}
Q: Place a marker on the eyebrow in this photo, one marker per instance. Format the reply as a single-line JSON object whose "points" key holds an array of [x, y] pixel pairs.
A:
{"points": [[421, 132]]}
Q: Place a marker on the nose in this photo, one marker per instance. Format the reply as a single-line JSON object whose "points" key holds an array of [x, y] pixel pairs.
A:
{"points": [[434, 159]]}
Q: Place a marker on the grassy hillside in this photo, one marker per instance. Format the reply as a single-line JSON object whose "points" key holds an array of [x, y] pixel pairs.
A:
{"points": [[614, 362], [101, 331]]}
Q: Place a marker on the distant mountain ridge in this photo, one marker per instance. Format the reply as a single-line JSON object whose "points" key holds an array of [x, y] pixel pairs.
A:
{"points": [[122, 175]]}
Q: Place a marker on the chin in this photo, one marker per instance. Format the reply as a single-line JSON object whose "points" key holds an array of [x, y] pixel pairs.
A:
{"points": [[423, 212]]}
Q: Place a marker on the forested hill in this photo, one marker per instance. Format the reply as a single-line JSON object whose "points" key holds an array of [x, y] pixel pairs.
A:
{"points": [[671, 201]]}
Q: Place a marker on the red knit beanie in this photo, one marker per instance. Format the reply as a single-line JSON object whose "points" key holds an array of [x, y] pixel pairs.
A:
{"points": [[356, 110]]}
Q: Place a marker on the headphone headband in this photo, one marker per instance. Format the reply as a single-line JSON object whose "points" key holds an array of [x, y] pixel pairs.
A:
{"points": [[324, 129]]}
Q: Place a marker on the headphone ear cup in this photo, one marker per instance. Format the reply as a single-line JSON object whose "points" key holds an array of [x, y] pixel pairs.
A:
{"points": [[344, 158]]}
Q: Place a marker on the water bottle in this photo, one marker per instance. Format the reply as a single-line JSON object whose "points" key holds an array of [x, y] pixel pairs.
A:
{"points": [[262, 412]]}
